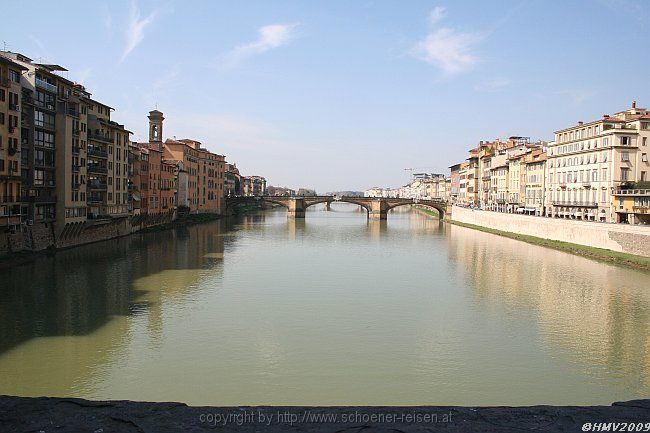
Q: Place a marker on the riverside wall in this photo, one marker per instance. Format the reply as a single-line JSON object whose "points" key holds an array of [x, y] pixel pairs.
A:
{"points": [[632, 239]]}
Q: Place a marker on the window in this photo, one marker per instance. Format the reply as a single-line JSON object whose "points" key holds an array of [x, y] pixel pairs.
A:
{"points": [[645, 141], [643, 176], [644, 157], [625, 156], [626, 141], [14, 76], [624, 174]]}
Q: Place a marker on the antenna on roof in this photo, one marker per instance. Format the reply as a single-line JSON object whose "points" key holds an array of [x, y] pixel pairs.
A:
{"points": [[4, 45]]}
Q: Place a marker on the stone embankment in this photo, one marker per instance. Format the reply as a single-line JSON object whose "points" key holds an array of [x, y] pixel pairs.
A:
{"points": [[21, 414], [622, 238]]}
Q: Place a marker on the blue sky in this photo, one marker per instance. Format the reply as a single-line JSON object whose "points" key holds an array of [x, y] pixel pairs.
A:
{"points": [[346, 94]]}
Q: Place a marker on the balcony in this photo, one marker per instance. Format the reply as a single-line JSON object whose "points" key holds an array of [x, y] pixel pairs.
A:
{"points": [[43, 198], [97, 152], [632, 192], [42, 163], [97, 185], [72, 112], [93, 168], [575, 203], [641, 209], [45, 85], [14, 107], [75, 185], [45, 125], [106, 138], [45, 183]]}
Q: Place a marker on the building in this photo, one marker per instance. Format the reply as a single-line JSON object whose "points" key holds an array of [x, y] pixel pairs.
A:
{"points": [[11, 210], [589, 163], [454, 178], [280, 191], [535, 182], [74, 158], [254, 186], [633, 205], [232, 181]]}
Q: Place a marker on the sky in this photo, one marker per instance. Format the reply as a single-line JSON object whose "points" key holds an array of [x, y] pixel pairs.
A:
{"points": [[344, 95]]}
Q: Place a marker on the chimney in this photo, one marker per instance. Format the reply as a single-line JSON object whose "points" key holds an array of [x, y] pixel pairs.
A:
{"points": [[633, 104], [580, 122], [605, 116]]}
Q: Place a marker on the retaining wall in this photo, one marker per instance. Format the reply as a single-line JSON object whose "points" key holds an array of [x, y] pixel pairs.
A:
{"points": [[625, 238]]}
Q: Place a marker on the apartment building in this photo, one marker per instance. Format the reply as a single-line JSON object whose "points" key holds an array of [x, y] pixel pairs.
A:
{"points": [[11, 211], [232, 181], [499, 178], [253, 185], [107, 163], [187, 153], [535, 181], [73, 157], [454, 176], [211, 171], [589, 163]]}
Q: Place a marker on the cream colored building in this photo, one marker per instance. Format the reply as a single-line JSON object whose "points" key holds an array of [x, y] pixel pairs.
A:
{"points": [[535, 180], [587, 164]]}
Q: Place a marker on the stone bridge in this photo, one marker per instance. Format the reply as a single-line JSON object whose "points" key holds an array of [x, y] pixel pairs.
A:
{"points": [[377, 207]]}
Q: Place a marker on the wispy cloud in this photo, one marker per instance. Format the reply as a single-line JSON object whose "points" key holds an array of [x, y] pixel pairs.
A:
{"points": [[107, 20], [42, 52], [135, 30], [269, 37], [449, 50]]}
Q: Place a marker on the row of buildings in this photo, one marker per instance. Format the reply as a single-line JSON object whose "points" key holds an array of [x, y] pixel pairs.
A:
{"points": [[594, 171], [66, 166]]}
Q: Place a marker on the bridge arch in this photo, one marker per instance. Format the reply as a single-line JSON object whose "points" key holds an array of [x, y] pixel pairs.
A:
{"points": [[440, 208], [232, 202], [366, 206]]}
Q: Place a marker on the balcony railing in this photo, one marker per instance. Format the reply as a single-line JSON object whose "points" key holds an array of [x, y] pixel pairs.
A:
{"points": [[641, 209], [92, 168], [14, 107], [575, 203], [43, 163], [45, 85], [632, 192], [97, 152], [107, 138], [75, 185], [73, 112], [45, 199], [97, 185]]}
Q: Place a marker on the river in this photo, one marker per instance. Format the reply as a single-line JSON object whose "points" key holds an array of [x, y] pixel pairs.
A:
{"points": [[329, 310]]}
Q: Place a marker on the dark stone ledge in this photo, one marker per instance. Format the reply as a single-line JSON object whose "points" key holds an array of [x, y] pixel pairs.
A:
{"points": [[21, 414]]}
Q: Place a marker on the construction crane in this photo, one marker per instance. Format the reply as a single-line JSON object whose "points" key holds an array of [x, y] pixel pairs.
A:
{"points": [[411, 169]]}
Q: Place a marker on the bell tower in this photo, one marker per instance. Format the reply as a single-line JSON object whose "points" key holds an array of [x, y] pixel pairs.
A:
{"points": [[156, 128]]}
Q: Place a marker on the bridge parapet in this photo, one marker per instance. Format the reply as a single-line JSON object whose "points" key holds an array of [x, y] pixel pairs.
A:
{"points": [[377, 207]]}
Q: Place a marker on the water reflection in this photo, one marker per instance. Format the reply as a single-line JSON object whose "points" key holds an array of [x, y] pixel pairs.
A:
{"points": [[598, 315], [332, 309], [76, 291]]}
